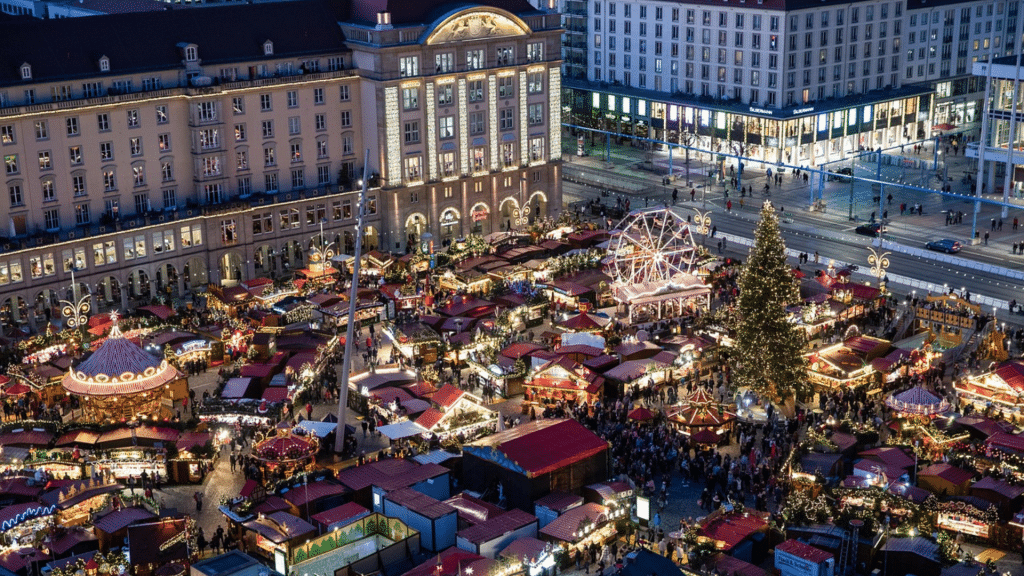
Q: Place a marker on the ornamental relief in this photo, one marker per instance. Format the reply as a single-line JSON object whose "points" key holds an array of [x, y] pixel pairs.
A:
{"points": [[477, 26]]}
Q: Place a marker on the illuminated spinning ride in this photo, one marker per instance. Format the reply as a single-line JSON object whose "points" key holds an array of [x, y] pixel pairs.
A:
{"points": [[120, 381], [653, 258]]}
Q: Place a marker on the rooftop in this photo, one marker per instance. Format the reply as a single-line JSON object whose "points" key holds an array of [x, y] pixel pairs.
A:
{"points": [[498, 526], [565, 442]]}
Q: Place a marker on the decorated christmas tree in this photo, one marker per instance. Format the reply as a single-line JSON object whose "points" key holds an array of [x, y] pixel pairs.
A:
{"points": [[769, 346]]}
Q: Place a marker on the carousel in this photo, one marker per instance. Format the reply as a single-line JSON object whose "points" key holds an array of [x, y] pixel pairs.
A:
{"points": [[701, 413], [121, 381], [285, 452], [917, 402]]}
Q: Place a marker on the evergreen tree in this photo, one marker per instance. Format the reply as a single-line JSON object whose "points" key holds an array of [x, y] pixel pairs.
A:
{"points": [[769, 347]]}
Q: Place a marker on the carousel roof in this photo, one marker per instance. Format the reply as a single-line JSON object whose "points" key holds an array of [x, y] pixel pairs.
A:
{"points": [[285, 447], [917, 400], [118, 367], [700, 396]]}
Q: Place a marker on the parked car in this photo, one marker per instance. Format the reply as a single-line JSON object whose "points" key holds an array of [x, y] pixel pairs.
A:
{"points": [[945, 245], [870, 229]]}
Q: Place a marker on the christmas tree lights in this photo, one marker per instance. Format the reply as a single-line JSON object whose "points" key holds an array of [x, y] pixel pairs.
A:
{"points": [[769, 346]]}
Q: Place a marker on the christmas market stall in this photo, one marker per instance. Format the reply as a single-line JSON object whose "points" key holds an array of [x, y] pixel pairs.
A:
{"points": [[19, 523], [192, 458], [579, 528], [414, 340], [161, 547], [563, 379], [457, 413], [847, 364], [999, 392], [274, 536], [950, 319], [74, 503]]}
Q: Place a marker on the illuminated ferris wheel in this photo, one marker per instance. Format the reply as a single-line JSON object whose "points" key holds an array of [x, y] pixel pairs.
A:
{"points": [[652, 246]]}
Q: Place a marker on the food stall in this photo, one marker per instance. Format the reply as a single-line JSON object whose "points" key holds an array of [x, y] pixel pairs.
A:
{"points": [[125, 462], [194, 458], [75, 503], [19, 523], [580, 527]]}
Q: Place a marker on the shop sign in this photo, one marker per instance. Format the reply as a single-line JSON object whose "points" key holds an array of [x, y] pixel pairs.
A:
{"points": [[962, 523], [193, 346], [26, 515], [792, 565], [761, 111], [172, 541], [479, 215], [449, 218], [803, 110]]}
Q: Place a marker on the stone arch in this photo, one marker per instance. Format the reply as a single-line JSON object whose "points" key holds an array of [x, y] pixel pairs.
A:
{"points": [[195, 274], [537, 205], [14, 311], [415, 225], [139, 284], [167, 280], [292, 255], [108, 293], [451, 225], [264, 261], [371, 238], [231, 266], [509, 211], [46, 305], [480, 218]]}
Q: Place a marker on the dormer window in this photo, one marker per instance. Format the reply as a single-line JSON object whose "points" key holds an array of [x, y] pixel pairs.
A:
{"points": [[104, 64], [268, 48], [26, 71], [191, 54]]}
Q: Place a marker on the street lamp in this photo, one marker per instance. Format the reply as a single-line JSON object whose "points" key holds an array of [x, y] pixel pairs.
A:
{"points": [[703, 222], [76, 309], [878, 261]]}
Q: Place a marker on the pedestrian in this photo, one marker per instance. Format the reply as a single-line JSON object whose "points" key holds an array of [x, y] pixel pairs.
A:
{"points": [[675, 195], [986, 238], [728, 206], [999, 225], [198, 497], [714, 230], [693, 192]]}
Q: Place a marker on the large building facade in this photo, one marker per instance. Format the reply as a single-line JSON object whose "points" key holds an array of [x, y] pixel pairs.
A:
{"points": [[151, 154], [797, 81]]}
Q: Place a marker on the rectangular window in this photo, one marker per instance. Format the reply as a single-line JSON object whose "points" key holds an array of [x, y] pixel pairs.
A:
{"points": [[321, 149], [209, 139], [228, 232], [269, 158], [294, 125], [535, 82], [78, 185], [412, 132], [320, 122], [52, 221], [191, 236], [49, 191], [318, 96], [270, 183], [266, 103], [170, 199], [298, 179], [295, 152], [344, 94], [535, 52], [409, 66], [444, 95], [476, 123], [109, 180], [135, 146], [410, 98], [206, 111], [536, 114], [82, 214], [346, 118], [446, 127], [44, 160], [133, 118], [507, 118], [323, 175], [72, 125], [161, 115], [239, 132], [11, 163], [164, 142], [413, 168], [268, 129], [293, 99], [476, 90], [14, 192], [444, 63], [139, 175], [475, 60], [42, 129]]}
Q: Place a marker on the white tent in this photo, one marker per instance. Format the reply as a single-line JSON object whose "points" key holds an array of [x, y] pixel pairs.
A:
{"points": [[402, 430]]}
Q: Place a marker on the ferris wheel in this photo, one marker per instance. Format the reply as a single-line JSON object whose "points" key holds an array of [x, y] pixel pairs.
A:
{"points": [[651, 246]]}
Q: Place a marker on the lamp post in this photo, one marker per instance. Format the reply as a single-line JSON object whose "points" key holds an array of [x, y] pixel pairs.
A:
{"points": [[878, 261], [703, 222], [75, 310]]}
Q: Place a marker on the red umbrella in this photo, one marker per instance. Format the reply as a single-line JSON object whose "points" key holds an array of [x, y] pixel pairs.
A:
{"points": [[641, 414], [705, 437]]}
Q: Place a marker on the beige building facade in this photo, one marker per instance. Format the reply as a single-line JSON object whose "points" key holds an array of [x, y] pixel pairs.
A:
{"points": [[214, 153]]}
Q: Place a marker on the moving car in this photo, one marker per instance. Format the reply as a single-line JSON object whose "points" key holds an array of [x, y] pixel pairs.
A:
{"points": [[844, 174], [945, 245], [870, 229]]}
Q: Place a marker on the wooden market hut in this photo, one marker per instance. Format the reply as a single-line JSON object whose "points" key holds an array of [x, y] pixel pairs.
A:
{"points": [[571, 457]]}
